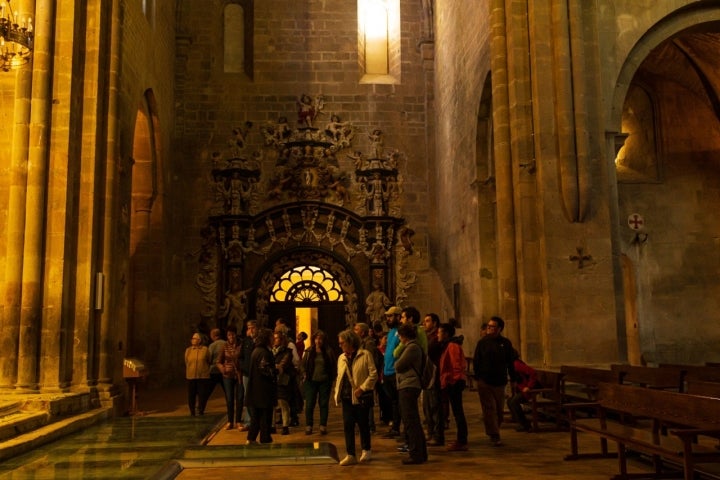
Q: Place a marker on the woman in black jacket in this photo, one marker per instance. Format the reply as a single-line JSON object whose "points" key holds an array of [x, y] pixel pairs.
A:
{"points": [[319, 368], [261, 395]]}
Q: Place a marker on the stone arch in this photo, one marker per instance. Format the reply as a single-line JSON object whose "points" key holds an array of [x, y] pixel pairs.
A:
{"points": [[273, 268], [146, 224], [670, 26], [666, 280]]}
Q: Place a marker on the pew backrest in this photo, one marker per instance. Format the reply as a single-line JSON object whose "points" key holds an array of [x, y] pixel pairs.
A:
{"points": [[669, 408]]}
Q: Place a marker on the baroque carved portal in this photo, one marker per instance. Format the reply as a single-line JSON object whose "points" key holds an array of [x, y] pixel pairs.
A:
{"points": [[294, 189]]}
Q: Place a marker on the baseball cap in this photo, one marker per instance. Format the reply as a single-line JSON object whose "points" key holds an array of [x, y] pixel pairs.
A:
{"points": [[393, 311]]}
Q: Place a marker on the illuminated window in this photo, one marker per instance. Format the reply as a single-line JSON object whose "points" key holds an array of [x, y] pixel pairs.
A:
{"points": [[306, 284], [379, 41]]}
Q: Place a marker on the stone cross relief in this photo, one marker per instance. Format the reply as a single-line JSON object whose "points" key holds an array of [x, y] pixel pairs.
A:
{"points": [[580, 258]]}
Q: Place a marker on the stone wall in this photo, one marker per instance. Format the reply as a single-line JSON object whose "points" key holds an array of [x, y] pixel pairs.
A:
{"points": [[565, 269], [299, 48]]}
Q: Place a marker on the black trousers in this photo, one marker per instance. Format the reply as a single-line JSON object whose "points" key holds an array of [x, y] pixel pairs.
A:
{"points": [[197, 393], [261, 422], [355, 415], [417, 447], [391, 390]]}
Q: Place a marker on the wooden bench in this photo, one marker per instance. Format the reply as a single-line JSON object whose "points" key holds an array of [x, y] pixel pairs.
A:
{"points": [[694, 417], [580, 384], [546, 401], [697, 372], [703, 389], [658, 378]]}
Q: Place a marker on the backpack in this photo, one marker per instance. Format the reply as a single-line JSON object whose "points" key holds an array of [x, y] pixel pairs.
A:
{"points": [[427, 376]]}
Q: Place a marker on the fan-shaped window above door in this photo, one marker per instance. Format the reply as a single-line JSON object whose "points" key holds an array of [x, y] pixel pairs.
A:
{"points": [[305, 284]]}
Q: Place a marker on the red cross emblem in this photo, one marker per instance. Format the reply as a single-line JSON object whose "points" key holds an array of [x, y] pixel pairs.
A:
{"points": [[636, 222]]}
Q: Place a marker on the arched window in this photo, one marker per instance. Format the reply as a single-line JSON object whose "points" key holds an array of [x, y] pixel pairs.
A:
{"points": [[237, 37], [306, 284], [379, 41]]}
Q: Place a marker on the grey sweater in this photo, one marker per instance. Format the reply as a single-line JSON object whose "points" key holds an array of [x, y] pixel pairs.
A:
{"points": [[409, 365]]}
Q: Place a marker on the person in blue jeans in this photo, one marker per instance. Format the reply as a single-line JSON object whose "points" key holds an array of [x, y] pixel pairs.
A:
{"points": [[229, 365], [319, 369], [392, 317]]}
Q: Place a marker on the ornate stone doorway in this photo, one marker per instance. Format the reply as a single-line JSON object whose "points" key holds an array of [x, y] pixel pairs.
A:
{"points": [[296, 201], [302, 279]]}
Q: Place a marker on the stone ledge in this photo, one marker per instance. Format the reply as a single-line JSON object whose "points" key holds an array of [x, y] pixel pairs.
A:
{"points": [[27, 441], [18, 423]]}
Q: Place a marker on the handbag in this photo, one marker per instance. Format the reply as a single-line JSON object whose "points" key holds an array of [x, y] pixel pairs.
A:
{"points": [[367, 399]]}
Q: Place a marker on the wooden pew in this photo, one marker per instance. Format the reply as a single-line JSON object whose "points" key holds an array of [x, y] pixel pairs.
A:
{"points": [[702, 373], [580, 384], [665, 378], [697, 417], [703, 389], [547, 401]]}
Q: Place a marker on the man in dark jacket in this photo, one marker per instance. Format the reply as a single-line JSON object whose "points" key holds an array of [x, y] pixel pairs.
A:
{"points": [[261, 396], [493, 364]]}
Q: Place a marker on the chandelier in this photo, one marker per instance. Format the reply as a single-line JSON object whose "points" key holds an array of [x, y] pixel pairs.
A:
{"points": [[16, 41]]}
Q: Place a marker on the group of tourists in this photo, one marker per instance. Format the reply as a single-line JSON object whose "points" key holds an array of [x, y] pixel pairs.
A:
{"points": [[269, 380]]}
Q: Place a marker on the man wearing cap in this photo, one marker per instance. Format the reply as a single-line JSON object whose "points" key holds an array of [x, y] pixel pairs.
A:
{"points": [[392, 316]]}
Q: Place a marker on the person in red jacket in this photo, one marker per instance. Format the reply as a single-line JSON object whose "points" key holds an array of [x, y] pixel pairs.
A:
{"points": [[526, 380], [453, 379]]}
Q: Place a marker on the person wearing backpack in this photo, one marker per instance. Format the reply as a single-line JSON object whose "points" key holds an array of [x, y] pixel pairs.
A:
{"points": [[408, 368], [453, 379]]}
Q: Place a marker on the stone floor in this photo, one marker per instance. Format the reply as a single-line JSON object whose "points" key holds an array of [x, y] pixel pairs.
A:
{"points": [[164, 443], [524, 456]]}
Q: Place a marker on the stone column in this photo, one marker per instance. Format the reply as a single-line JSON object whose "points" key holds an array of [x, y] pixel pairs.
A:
{"points": [[109, 338], [16, 223], [52, 86], [35, 207], [507, 267]]}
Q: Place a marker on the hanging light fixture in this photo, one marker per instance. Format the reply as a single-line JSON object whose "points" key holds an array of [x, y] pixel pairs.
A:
{"points": [[16, 40]]}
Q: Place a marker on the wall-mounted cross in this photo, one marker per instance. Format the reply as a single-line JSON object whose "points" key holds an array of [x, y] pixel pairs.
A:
{"points": [[580, 257]]}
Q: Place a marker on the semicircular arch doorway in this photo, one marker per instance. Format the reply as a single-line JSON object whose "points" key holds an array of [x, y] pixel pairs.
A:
{"points": [[311, 290]]}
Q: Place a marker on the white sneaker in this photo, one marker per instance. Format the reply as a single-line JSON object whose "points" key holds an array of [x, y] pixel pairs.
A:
{"points": [[365, 457], [348, 460]]}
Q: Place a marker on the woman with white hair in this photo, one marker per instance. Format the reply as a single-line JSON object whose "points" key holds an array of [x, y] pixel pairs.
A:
{"points": [[356, 377]]}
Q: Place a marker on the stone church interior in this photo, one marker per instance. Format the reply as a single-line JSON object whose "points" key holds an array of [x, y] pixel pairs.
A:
{"points": [[171, 166]]}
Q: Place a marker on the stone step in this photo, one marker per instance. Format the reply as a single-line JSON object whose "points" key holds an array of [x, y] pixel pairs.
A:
{"points": [[50, 431], [8, 407], [29, 420], [17, 423]]}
